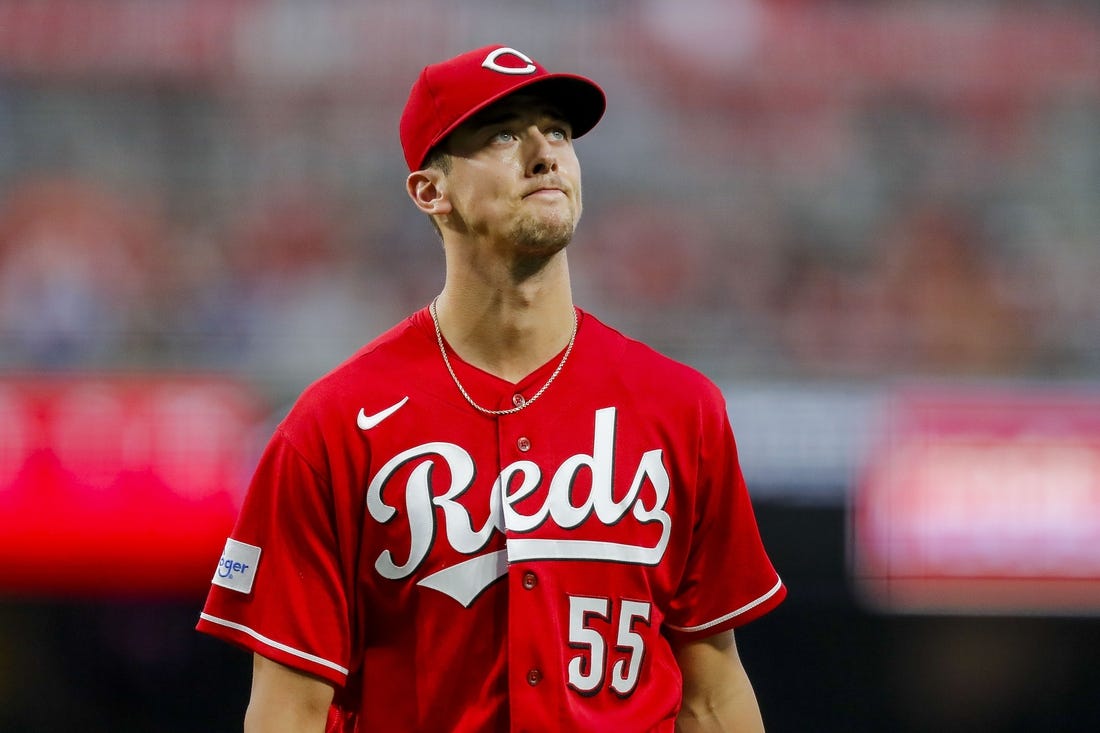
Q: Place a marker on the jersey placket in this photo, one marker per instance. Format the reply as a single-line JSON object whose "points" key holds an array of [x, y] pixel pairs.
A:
{"points": [[531, 666]]}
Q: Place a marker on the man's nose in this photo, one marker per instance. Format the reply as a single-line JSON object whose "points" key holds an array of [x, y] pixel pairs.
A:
{"points": [[542, 158]]}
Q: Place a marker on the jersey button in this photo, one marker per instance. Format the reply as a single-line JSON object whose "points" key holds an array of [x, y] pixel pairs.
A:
{"points": [[523, 444], [518, 401], [534, 677], [530, 580]]}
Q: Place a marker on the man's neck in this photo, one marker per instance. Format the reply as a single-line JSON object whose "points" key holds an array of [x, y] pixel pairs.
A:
{"points": [[506, 328]]}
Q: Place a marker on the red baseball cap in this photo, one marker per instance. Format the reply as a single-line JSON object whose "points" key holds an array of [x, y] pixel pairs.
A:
{"points": [[448, 93]]}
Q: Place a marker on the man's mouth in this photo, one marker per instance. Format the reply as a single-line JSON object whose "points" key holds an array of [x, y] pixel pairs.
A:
{"points": [[548, 187], [547, 191]]}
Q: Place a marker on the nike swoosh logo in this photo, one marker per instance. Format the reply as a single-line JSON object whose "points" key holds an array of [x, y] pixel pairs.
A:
{"points": [[366, 422]]}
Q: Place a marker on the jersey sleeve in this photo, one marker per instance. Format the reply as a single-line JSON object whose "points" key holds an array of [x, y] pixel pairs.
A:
{"points": [[278, 589], [729, 579]]}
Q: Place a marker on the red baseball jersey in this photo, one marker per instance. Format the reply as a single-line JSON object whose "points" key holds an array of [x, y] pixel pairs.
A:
{"points": [[448, 570]]}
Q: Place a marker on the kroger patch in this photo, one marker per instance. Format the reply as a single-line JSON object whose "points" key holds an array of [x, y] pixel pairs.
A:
{"points": [[237, 566]]}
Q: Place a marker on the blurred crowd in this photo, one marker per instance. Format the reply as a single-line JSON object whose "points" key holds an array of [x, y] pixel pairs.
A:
{"points": [[755, 220]]}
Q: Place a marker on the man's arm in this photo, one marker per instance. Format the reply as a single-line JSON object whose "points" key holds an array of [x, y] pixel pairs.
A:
{"points": [[718, 697], [285, 700]]}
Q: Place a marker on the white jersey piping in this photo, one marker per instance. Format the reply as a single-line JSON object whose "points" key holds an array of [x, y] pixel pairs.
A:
{"points": [[722, 619], [272, 643]]}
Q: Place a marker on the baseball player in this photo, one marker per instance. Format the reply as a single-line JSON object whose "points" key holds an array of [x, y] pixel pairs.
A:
{"points": [[501, 515]]}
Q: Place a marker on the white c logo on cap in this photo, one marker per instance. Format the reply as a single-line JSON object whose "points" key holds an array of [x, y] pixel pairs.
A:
{"points": [[490, 62]]}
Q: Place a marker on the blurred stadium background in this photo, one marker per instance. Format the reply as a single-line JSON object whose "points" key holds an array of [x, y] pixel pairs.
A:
{"points": [[876, 223]]}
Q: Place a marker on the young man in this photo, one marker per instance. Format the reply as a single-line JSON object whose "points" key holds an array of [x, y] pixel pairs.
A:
{"points": [[501, 515]]}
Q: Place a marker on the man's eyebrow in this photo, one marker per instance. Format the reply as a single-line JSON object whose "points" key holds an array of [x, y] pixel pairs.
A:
{"points": [[494, 117], [499, 116]]}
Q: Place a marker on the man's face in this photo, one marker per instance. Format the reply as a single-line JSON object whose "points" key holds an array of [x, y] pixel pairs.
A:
{"points": [[514, 178]]}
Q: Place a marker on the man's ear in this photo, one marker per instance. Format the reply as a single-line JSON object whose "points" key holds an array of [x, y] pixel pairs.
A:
{"points": [[428, 190]]}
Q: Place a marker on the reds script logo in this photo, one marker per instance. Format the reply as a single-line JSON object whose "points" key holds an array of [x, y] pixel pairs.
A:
{"points": [[518, 480]]}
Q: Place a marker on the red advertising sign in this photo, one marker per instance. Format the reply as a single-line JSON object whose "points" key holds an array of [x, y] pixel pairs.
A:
{"points": [[119, 486], [985, 501]]}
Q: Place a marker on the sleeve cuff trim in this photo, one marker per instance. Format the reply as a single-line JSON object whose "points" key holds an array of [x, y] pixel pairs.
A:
{"points": [[273, 644], [739, 612]]}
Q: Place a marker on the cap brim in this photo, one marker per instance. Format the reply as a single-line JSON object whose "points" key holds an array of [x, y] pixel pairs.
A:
{"points": [[580, 100]]}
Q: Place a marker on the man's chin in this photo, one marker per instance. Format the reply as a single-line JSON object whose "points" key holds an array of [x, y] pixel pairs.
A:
{"points": [[545, 237]]}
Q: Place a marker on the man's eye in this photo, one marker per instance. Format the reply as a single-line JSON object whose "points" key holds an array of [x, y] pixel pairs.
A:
{"points": [[504, 136], [558, 133]]}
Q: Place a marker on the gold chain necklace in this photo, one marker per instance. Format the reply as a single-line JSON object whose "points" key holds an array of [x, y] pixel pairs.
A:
{"points": [[517, 408]]}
